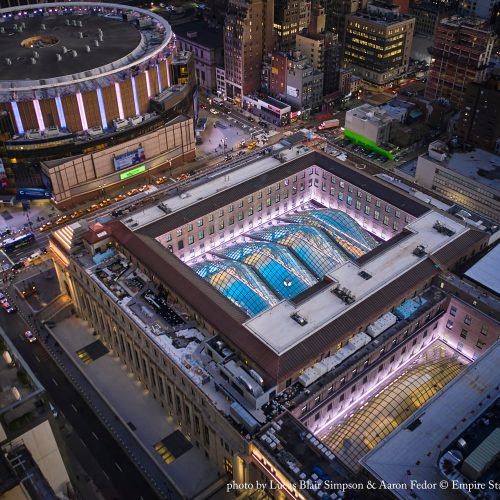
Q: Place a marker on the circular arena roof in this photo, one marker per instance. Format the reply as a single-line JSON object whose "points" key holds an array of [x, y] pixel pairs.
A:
{"points": [[52, 45]]}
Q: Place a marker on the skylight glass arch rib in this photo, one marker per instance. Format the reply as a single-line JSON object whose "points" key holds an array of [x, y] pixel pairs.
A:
{"points": [[318, 253], [275, 264], [343, 229], [238, 283]]}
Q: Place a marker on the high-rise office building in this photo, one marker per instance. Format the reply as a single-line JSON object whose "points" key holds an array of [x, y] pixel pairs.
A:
{"points": [[429, 14], [461, 53], [480, 119], [478, 8], [290, 18], [337, 12], [322, 49], [248, 35], [378, 43]]}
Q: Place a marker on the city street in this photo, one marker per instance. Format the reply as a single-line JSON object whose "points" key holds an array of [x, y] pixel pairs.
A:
{"points": [[90, 442]]}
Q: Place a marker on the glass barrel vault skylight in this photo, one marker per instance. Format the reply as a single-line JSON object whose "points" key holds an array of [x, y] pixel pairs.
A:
{"points": [[346, 232], [279, 268], [238, 283], [309, 244], [286, 259]]}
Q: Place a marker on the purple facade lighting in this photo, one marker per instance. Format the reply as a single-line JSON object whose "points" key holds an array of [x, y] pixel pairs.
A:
{"points": [[160, 88], [168, 71], [39, 116], [60, 112], [148, 84], [119, 101], [17, 117], [136, 99], [81, 109]]}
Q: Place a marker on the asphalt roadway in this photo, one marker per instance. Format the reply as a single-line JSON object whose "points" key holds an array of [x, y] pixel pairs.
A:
{"points": [[95, 449]]}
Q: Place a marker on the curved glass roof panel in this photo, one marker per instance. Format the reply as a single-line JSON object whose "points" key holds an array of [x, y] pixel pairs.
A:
{"points": [[238, 283], [346, 232], [383, 413], [309, 244], [279, 268]]}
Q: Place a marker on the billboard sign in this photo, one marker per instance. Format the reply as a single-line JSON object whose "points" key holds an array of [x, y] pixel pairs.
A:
{"points": [[128, 159], [131, 173], [33, 194], [292, 91]]}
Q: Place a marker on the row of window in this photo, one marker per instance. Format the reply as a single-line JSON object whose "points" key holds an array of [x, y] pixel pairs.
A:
{"points": [[360, 195], [148, 369], [389, 346], [358, 385]]}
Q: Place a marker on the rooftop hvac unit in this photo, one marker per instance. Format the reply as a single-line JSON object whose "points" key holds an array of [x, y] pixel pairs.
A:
{"points": [[419, 251]]}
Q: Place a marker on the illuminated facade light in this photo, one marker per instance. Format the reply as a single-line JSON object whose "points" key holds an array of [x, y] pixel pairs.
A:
{"points": [[60, 112], [160, 88], [102, 109], [168, 71], [17, 117], [136, 99], [39, 116], [119, 101], [148, 84], [81, 109]]}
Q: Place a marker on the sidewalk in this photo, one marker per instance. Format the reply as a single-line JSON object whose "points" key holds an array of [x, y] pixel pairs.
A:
{"points": [[18, 220], [191, 472], [121, 403]]}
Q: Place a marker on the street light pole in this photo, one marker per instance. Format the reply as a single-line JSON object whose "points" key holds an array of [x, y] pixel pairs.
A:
{"points": [[29, 220]]}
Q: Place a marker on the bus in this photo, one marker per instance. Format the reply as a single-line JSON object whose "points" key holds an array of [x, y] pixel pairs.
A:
{"points": [[11, 244]]}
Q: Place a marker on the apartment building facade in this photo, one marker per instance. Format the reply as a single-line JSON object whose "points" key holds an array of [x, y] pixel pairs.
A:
{"points": [[461, 52]]}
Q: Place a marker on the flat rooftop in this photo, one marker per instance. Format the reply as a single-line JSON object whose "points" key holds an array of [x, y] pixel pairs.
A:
{"points": [[276, 103], [412, 451], [158, 318], [481, 272], [478, 165], [373, 18], [237, 179], [200, 33], [327, 316], [276, 327], [120, 38]]}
